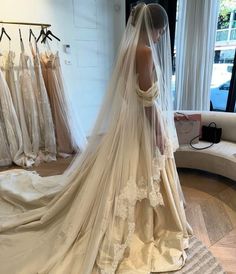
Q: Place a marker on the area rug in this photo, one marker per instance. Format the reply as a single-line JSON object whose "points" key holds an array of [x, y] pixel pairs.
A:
{"points": [[200, 260]]}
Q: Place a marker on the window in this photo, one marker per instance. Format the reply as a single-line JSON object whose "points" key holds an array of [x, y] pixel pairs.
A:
{"points": [[222, 90]]}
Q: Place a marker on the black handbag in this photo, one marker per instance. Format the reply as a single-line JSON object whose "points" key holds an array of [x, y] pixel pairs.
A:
{"points": [[210, 134]]}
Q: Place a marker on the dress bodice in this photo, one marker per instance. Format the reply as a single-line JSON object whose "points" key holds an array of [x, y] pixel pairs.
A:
{"points": [[24, 60], [149, 96]]}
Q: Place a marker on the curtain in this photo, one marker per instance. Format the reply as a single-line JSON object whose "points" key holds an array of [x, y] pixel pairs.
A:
{"points": [[195, 40]]}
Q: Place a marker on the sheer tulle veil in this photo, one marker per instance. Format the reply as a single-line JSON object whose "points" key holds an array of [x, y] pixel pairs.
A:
{"points": [[132, 137], [91, 220], [121, 88]]}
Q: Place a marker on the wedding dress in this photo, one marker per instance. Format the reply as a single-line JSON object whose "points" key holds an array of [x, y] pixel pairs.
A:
{"points": [[64, 136], [5, 157], [119, 208], [30, 107], [10, 122], [48, 140], [28, 157], [78, 138]]}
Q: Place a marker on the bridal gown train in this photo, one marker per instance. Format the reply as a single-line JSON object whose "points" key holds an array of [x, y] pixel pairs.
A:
{"points": [[61, 224]]}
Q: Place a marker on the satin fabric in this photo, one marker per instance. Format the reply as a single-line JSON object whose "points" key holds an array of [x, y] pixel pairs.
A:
{"points": [[47, 223]]}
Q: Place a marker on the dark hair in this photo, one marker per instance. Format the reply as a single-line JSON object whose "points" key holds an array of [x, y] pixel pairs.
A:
{"points": [[156, 13]]}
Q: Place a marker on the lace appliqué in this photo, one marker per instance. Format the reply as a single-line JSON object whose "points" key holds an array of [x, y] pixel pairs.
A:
{"points": [[155, 195], [119, 250], [126, 201]]}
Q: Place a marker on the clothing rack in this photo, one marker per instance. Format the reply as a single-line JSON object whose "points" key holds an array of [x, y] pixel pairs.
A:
{"points": [[42, 25]]}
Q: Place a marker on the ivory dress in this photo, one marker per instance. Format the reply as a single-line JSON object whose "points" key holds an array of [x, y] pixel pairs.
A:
{"points": [[10, 121], [68, 233], [13, 84], [30, 106], [47, 131], [5, 157]]}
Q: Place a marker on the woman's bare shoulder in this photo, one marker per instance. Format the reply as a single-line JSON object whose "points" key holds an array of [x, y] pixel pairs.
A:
{"points": [[144, 66], [143, 53]]}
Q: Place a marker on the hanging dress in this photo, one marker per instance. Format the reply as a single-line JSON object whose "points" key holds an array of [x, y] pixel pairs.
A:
{"points": [[30, 106], [59, 107], [13, 84], [11, 122], [48, 140], [5, 157]]}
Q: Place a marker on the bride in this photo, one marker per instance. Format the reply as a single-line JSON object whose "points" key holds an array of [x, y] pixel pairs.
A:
{"points": [[119, 207]]}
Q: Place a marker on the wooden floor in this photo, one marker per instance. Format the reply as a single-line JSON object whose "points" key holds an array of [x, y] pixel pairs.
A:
{"points": [[211, 209], [47, 169]]}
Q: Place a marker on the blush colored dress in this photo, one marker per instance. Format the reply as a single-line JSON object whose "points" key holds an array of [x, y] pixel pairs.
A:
{"points": [[59, 107]]}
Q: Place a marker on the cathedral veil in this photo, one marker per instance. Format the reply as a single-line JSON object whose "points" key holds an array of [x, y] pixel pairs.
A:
{"points": [[127, 129], [88, 226]]}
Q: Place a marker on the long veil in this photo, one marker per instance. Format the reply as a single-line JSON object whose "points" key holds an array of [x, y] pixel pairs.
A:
{"points": [[87, 225]]}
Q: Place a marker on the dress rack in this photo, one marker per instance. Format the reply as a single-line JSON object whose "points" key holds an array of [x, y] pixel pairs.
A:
{"points": [[42, 25]]}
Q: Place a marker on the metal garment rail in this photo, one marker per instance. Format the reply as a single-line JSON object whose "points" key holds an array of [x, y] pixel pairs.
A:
{"points": [[42, 25]]}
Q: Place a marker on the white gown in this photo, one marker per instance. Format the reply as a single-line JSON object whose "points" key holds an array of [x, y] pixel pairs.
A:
{"points": [[47, 131], [27, 159], [30, 106], [61, 224], [11, 123], [5, 157]]}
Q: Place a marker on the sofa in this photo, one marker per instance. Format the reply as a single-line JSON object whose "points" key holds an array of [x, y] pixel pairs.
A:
{"points": [[220, 158]]}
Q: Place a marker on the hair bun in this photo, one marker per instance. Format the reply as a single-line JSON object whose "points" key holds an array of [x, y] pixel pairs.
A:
{"points": [[135, 12]]}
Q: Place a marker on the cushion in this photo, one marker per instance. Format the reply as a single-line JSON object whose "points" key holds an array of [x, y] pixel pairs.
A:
{"points": [[219, 159], [224, 149]]}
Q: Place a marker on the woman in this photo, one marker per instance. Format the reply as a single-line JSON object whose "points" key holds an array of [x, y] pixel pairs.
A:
{"points": [[119, 208]]}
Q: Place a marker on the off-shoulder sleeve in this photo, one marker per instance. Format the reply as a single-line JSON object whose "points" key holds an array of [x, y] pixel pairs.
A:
{"points": [[149, 96]]}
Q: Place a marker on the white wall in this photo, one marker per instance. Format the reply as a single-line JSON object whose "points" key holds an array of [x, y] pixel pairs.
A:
{"points": [[92, 28]]}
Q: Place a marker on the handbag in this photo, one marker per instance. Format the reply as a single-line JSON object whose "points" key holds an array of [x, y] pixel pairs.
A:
{"points": [[210, 134], [187, 127]]}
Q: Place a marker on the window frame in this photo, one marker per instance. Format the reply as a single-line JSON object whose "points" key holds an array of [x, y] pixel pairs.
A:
{"points": [[231, 101]]}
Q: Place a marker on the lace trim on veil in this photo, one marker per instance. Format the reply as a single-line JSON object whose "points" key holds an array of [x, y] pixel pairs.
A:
{"points": [[126, 202], [136, 191]]}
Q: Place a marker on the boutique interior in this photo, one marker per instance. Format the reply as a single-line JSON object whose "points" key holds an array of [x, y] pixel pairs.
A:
{"points": [[56, 60]]}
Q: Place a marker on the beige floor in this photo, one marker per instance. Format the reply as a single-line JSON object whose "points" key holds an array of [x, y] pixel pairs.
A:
{"points": [[211, 209]]}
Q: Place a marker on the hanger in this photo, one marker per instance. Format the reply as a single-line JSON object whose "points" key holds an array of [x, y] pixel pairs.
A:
{"points": [[31, 34], [20, 35], [47, 36], [4, 32], [42, 33], [22, 43]]}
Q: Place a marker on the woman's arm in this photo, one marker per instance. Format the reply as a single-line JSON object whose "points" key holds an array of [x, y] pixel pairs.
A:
{"points": [[144, 66]]}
